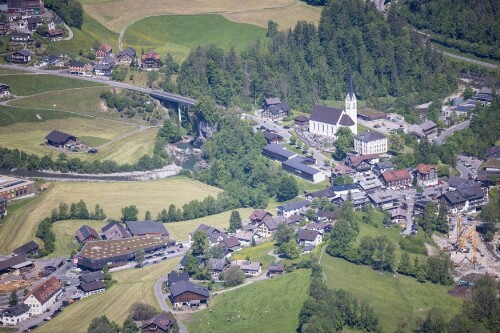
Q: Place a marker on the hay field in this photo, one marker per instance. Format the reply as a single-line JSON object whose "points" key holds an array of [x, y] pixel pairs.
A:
{"points": [[118, 14], [20, 226], [27, 85], [65, 234], [133, 285]]}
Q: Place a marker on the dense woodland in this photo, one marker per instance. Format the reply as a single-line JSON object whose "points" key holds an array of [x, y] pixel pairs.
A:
{"points": [[71, 11], [469, 25], [308, 63]]}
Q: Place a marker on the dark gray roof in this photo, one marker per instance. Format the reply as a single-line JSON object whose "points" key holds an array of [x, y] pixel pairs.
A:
{"points": [[128, 51], [271, 135], [92, 276], [295, 205], [85, 232], [185, 286], [59, 137], [307, 235], [146, 227], [74, 63], [163, 321], [298, 163], [20, 35], [345, 120], [272, 101], [427, 125], [17, 310], [276, 108], [278, 150], [216, 264], [472, 193], [103, 67], [278, 267], [454, 197], [322, 193], [462, 183], [384, 165], [27, 248], [325, 114], [309, 247], [24, 52], [174, 277], [370, 136], [92, 286], [344, 187]]}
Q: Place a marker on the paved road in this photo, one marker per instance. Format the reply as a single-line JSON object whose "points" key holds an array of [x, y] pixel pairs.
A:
{"points": [[449, 131], [157, 93]]}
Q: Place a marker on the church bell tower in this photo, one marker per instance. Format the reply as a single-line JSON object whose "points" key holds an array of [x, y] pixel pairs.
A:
{"points": [[351, 106]]}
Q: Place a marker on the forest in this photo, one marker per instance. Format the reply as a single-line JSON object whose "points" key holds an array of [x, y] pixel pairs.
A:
{"points": [[71, 11], [468, 25], [307, 63]]}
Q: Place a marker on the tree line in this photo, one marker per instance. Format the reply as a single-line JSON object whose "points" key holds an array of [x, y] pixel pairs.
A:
{"points": [[307, 63], [76, 210], [71, 11]]}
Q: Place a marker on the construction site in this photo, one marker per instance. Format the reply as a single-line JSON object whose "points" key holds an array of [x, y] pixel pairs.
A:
{"points": [[471, 256]]}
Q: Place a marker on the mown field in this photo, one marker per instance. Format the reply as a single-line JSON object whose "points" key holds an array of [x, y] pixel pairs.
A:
{"points": [[393, 298], [27, 85], [65, 235], [118, 14], [270, 306], [179, 34], [146, 195], [257, 253], [133, 285]]}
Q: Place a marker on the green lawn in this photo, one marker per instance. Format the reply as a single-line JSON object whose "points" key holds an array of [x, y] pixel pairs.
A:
{"points": [[26, 85], [65, 235], [393, 297], [12, 115], [178, 34], [257, 253], [270, 306]]}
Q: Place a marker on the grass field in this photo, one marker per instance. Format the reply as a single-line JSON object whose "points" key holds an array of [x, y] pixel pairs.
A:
{"points": [[65, 235], [12, 115], [133, 285], [393, 298], [179, 34], [257, 253], [278, 303], [117, 14], [146, 195], [9, 71], [27, 85]]}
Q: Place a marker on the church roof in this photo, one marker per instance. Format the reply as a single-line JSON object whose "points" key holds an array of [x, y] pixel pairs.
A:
{"points": [[346, 120], [325, 114]]}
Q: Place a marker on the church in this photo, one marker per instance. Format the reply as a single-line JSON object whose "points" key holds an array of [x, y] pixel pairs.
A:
{"points": [[326, 121]]}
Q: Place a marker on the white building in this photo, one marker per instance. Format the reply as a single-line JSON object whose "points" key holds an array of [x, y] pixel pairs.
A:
{"points": [[91, 288], [326, 121], [370, 143], [43, 296], [15, 314], [252, 268], [306, 237]]}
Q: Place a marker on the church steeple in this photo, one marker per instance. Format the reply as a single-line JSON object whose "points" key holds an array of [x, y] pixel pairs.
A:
{"points": [[351, 88], [351, 107]]}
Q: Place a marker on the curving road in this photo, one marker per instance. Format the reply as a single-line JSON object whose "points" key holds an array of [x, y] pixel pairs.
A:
{"points": [[449, 131]]}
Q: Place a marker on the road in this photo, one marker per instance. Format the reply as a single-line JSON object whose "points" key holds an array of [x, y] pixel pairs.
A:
{"points": [[154, 92], [449, 131]]}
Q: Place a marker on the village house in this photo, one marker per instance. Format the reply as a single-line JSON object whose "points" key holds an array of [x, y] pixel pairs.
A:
{"points": [[187, 293], [426, 175], [146, 228], [214, 235], [29, 249], [396, 179], [249, 268], [103, 50], [272, 137], [266, 228], [307, 237], [321, 227], [43, 296], [489, 171], [59, 139], [275, 269], [358, 200], [15, 315], [465, 199], [127, 56], [300, 167], [301, 121], [150, 61], [91, 277], [216, 266], [341, 170], [398, 216], [20, 57], [384, 200], [20, 38], [259, 215], [4, 91], [91, 288], [86, 234], [34, 22], [326, 193], [231, 244], [362, 163], [103, 69], [245, 237], [293, 208], [76, 67], [12, 188], [3, 207], [174, 277], [370, 143], [114, 230], [24, 7], [161, 323], [275, 109], [368, 181], [383, 166]]}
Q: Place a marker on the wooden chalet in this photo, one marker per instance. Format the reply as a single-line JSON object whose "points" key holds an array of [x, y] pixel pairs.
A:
{"points": [[150, 61], [186, 293], [161, 323], [20, 57]]}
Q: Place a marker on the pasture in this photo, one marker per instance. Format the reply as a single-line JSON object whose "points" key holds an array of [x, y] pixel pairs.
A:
{"points": [[179, 34], [12, 115], [27, 85], [133, 285], [393, 297], [270, 306], [112, 197], [118, 14], [65, 234]]}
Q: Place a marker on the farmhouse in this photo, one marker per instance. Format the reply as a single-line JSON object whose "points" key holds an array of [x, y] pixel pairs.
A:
{"points": [[92, 276], [252, 268], [11, 188], [275, 109], [103, 50], [187, 293], [174, 277], [307, 237], [59, 139], [20, 57], [91, 288], [160, 323], [426, 175], [231, 244], [370, 143], [150, 61], [43, 296], [95, 255], [29, 249], [293, 208], [396, 179], [127, 56], [86, 234], [114, 230], [146, 228], [16, 314], [216, 266], [259, 215], [326, 120], [298, 166], [277, 152], [275, 269]]}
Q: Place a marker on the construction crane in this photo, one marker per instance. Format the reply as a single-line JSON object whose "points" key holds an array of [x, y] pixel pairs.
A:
{"points": [[460, 238], [474, 247]]}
